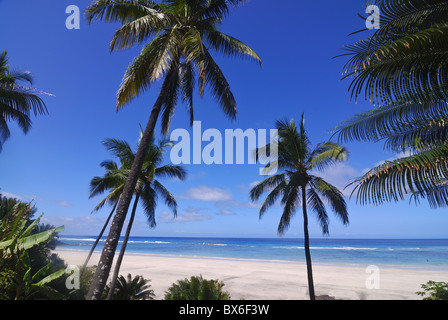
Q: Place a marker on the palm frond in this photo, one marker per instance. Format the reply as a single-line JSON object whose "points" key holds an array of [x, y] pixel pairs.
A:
{"points": [[333, 196], [169, 199], [318, 207], [219, 86], [229, 45], [381, 122], [393, 180], [152, 64], [266, 185], [149, 202], [327, 154], [123, 11], [171, 171]]}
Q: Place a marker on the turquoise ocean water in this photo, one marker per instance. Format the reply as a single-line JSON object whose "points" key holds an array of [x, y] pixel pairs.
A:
{"points": [[418, 253]]}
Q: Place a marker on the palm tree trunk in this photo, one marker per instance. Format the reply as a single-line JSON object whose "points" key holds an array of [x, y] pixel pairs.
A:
{"points": [[98, 239], [307, 248], [105, 264], [122, 250]]}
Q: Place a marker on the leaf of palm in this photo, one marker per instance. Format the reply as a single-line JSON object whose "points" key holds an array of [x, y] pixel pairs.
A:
{"points": [[170, 201], [401, 17], [229, 45], [318, 207], [219, 86], [392, 181], [149, 203], [380, 123], [123, 11], [418, 136], [120, 149], [291, 197], [266, 185], [171, 171], [412, 66], [153, 62], [327, 154], [331, 195]]}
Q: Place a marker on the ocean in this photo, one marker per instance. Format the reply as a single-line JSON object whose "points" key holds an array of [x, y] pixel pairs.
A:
{"points": [[380, 252]]}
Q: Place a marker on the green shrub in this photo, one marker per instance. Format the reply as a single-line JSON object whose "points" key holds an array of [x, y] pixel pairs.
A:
{"points": [[435, 290], [197, 288], [129, 288]]}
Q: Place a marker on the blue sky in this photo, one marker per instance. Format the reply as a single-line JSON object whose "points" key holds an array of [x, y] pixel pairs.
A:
{"points": [[296, 40]]}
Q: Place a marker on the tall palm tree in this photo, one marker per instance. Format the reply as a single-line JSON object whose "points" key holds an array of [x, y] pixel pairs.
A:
{"points": [[17, 101], [297, 185], [147, 190], [403, 68], [182, 33]]}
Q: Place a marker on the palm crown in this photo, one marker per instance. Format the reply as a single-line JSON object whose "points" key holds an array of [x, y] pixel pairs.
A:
{"points": [[184, 32], [298, 162], [17, 102], [148, 187]]}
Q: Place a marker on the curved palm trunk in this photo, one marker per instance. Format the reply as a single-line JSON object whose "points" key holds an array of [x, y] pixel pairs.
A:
{"points": [[307, 248], [107, 256], [122, 250], [98, 239]]}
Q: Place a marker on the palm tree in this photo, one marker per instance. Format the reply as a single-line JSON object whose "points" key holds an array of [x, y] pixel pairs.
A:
{"points": [[183, 32], [297, 186], [17, 101], [403, 68], [147, 189]]}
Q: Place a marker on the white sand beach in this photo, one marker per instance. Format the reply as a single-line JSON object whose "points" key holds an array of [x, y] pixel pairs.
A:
{"points": [[273, 280]]}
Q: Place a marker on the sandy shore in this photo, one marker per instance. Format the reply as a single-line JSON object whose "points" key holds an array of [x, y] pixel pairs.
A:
{"points": [[274, 280]]}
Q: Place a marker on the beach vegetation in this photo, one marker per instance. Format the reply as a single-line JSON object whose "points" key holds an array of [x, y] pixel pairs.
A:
{"points": [[85, 279], [197, 288], [434, 291], [17, 100], [298, 185], [147, 190], [178, 38], [402, 70], [28, 269], [132, 288]]}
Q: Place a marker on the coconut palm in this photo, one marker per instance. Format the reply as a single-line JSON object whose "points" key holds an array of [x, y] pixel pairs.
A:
{"points": [[178, 37], [403, 67], [147, 189], [17, 101], [297, 186]]}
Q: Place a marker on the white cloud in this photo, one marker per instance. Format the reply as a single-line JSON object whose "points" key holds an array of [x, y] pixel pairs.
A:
{"points": [[63, 203], [226, 212], [10, 195], [190, 215], [207, 194], [24, 197]]}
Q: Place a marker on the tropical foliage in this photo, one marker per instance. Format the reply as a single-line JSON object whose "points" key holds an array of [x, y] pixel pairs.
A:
{"points": [[28, 271], [197, 288], [17, 101], [402, 68], [434, 291], [298, 185], [177, 37], [129, 288]]}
